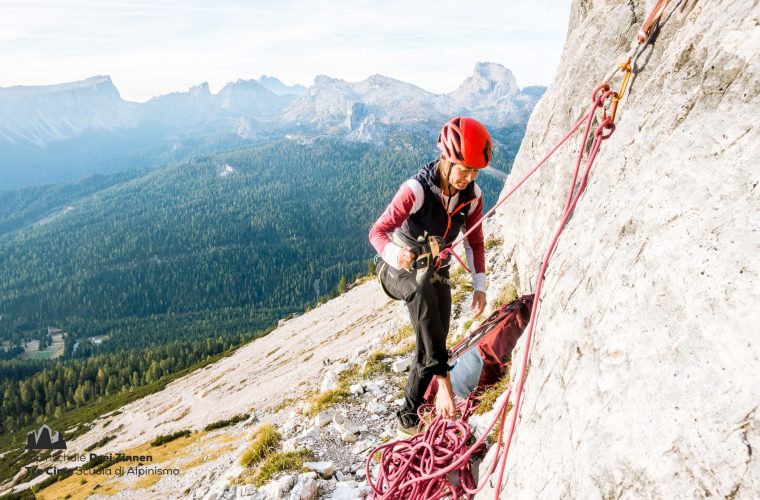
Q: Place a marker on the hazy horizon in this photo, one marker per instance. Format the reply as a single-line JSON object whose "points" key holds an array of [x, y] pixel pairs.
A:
{"points": [[155, 49], [216, 91]]}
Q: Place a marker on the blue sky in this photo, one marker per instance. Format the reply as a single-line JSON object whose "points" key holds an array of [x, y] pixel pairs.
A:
{"points": [[151, 48]]}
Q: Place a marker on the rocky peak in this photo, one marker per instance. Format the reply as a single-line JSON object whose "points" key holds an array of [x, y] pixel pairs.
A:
{"points": [[200, 90], [100, 85], [488, 80], [43, 113], [493, 71], [275, 85], [243, 90]]}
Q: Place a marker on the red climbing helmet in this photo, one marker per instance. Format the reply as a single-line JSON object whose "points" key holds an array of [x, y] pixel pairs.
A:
{"points": [[465, 140]]}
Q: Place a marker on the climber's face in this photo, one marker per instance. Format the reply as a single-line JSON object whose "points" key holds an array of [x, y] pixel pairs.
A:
{"points": [[458, 175]]}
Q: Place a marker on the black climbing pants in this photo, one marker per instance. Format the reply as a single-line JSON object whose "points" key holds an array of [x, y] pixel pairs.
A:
{"points": [[430, 311]]}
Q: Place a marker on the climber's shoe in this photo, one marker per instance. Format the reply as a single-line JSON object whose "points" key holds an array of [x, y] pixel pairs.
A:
{"points": [[405, 430]]}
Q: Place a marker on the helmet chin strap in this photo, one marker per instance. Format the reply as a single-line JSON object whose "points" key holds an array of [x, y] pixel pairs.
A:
{"points": [[448, 185], [448, 178]]}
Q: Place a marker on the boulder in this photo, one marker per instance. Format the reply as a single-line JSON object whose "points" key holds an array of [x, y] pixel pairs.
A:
{"points": [[279, 488], [402, 365], [377, 408], [345, 490], [348, 437], [374, 388], [324, 469], [323, 418], [356, 389], [362, 446], [305, 487]]}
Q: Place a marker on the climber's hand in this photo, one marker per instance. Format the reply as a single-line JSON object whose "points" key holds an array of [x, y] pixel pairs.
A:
{"points": [[405, 259], [444, 400], [478, 303]]}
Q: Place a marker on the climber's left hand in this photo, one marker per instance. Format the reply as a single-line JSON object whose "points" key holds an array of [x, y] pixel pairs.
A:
{"points": [[478, 303]]}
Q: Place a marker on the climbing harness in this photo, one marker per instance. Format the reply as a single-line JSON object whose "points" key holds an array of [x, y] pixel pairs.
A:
{"points": [[422, 467], [424, 264]]}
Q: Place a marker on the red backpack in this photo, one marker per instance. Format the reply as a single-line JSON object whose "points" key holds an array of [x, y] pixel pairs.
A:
{"points": [[495, 339]]}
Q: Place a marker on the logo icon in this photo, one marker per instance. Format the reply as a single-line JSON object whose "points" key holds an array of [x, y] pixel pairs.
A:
{"points": [[42, 440]]}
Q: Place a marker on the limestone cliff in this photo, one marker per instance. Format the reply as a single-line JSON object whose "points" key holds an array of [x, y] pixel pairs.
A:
{"points": [[643, 380]]}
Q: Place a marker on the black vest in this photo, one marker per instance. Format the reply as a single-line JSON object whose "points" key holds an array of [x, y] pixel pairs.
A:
{"points": [[431, 219]]}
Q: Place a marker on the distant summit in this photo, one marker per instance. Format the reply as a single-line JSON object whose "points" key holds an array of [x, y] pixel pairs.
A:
{"points": [[334, 106], [492, 95], [101, 84], [38, 115], [276, 86], [61, 132]]}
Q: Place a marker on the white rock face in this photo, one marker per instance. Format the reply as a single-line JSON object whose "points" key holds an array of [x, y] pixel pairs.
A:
{"points": [[42, 114], [643, 380]]}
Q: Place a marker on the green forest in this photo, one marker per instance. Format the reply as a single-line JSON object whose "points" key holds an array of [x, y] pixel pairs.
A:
{"points": [[176, 264]]}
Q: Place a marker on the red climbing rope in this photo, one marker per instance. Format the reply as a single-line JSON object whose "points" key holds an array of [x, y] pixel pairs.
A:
{"points": [[652, 19], [602, 132], [421, 467], [432, 465]]}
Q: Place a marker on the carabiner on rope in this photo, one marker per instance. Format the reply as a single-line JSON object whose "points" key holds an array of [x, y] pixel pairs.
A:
{"points": [[626, 68]]}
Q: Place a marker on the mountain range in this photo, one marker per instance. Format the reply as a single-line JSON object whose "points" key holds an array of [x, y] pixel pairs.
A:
{"points": [[63, 132]]}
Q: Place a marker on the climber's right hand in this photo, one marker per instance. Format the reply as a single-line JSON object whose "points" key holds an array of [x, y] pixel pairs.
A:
{"points": [[405, 259]]}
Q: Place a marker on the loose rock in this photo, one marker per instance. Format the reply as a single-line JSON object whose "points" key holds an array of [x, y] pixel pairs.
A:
{"points": [[356, 389], [402, 365], [324, 469], [348, 437], [323, 418], [305, 487], [378, 408]]}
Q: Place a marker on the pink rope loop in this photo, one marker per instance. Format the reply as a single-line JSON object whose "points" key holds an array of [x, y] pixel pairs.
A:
{"points": [[607, 124], [600, 94]]}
